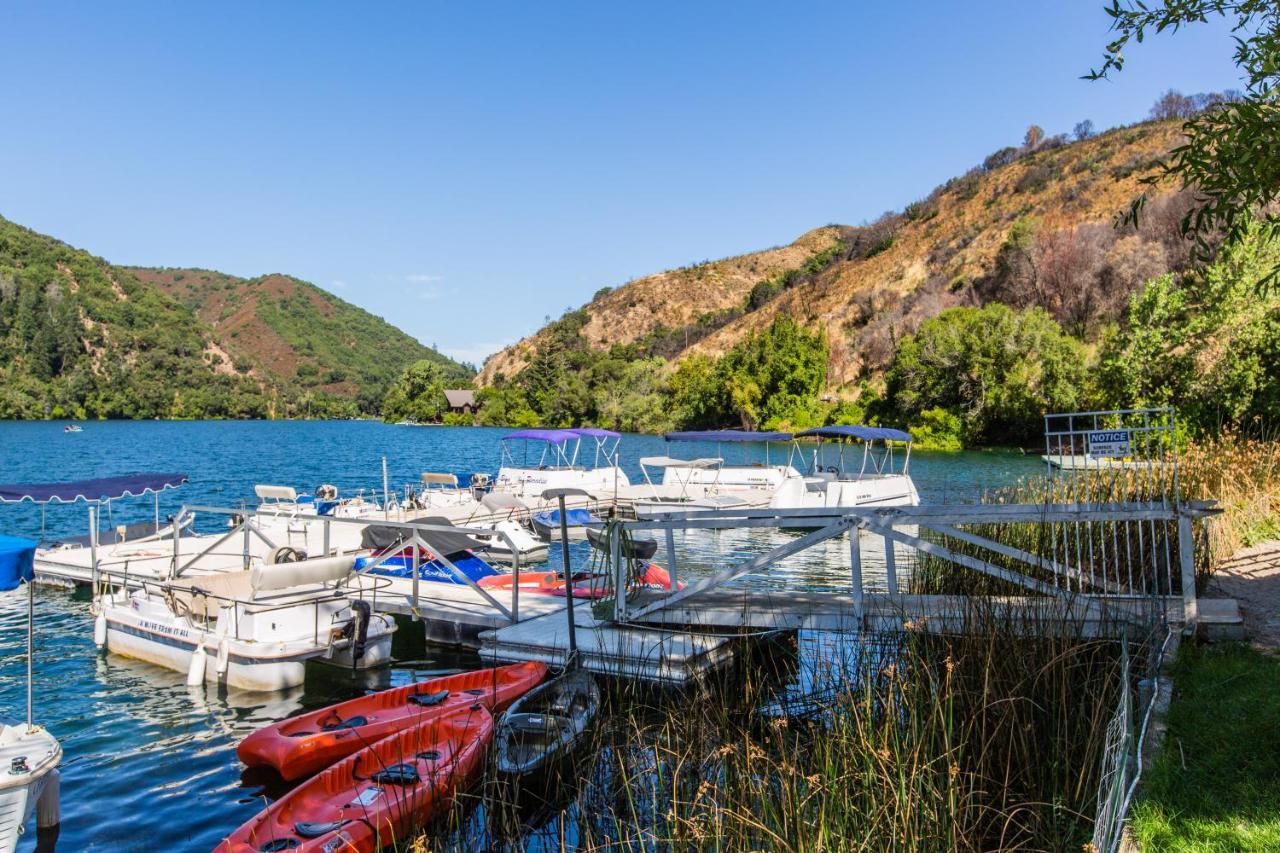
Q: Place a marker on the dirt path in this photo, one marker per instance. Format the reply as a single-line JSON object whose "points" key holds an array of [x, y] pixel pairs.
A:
{"points": [[1252, 577]]}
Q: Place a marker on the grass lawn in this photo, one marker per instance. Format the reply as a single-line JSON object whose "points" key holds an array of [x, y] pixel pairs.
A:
{"points": [[1216, 784]]}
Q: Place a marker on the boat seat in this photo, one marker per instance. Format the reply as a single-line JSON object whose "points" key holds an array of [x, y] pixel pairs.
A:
{"points": [[428, 699], [535, 722], [312, 829], [396, 774], [233, 585]]}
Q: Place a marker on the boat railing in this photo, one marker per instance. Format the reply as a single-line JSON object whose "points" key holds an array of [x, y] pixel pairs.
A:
{"points": [[289, 598], [415, 530]]}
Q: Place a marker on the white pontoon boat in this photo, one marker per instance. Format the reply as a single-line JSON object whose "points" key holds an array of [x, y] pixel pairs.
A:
{"points": [[850, 477], [559, 464]]}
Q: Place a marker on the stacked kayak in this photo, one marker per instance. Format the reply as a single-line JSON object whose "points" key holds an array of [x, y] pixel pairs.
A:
{"points": [[306, 744], [585, 584], [378, 795]]}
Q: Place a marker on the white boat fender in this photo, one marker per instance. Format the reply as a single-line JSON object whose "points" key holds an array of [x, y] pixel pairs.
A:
{"points": [[49, 804], [195, 672], [224, 656], [100, 629]]}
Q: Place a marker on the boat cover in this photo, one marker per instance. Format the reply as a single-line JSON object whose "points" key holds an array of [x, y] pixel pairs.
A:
{"points": [[381, 537], [431, 570], [550, 436], [100, 489], [865, 433], [728, 435], [596, 432], [17, 561]]}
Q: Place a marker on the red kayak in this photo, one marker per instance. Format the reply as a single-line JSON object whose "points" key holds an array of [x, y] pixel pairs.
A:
{"points": [[379, 795], [307, 744], [584, 585]]}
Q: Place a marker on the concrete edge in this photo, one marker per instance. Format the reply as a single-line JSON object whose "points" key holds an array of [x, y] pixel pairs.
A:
{"points": [[1157, 732]]}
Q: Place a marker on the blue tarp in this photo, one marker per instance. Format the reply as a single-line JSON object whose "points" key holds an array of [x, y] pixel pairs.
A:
{"points": [[101, 489], [17, 558], [550, 436], [728, 435], [864, 433], [402, 567]]}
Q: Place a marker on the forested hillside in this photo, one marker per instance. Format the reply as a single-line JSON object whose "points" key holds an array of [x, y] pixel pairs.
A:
{"points": [[1011, 290], [82, 338], [301, 335]]}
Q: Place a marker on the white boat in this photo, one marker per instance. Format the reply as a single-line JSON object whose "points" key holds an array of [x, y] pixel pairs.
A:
{"points": [[558, 464], [29, 754], [708, 483], [849, 479], [253, 630]]}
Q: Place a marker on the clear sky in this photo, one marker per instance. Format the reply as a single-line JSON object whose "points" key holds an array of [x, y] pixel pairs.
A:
{"points": [[466, 169]]}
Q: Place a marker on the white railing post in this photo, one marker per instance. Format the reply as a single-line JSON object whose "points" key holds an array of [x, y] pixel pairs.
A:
{"points": [[855, 571], [326, 537], [890, 566], [1187, 558], [415, 543], [671, 558], [93, 546], [619, 575]]}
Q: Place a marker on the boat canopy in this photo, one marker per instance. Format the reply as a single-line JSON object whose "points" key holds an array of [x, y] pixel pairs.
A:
{"points": [[672, 462], [100, 489], [17, 561], [596, 432], [865, 433], [728, 435], [550, 436]]}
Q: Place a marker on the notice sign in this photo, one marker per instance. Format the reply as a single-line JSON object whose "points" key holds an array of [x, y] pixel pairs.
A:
{"points": [[1109, 443]]}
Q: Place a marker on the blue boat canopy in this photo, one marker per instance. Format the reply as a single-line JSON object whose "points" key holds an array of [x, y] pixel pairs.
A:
{"points": [[864, 433], [17, 561], [100, 489], [728, 435], [550, 436], [596, 432]]}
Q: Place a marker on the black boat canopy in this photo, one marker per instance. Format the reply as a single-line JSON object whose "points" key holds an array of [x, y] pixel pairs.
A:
{"points": [[100, 489]]}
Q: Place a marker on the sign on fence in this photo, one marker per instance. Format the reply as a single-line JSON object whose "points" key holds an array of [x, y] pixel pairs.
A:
{"points": [[1109, 443]]}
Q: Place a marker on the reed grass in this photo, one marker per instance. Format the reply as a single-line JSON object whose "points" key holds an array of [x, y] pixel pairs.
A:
{"points": [[992, 740]]}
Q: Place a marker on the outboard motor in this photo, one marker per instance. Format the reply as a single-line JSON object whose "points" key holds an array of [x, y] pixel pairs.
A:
{"points": [[357, 630], [479, 484]]}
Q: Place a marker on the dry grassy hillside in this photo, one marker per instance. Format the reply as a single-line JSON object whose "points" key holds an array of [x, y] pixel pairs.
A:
{"points": [[886, 278]]}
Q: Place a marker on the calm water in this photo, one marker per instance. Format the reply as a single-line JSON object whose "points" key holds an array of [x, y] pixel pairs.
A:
{"points": [[150, 763]]}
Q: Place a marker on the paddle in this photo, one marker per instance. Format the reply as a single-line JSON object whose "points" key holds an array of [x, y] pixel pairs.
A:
{"points": [[560, 494]]}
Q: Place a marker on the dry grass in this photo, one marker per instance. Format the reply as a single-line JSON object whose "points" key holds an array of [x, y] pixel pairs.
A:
{"points": [[1243, 475]]}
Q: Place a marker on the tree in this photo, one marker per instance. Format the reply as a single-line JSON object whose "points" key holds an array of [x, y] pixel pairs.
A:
{"points": [[1229, 155], [1083, 130], [1173, 104], [1035, 135], [998, 369], [417, 394]]}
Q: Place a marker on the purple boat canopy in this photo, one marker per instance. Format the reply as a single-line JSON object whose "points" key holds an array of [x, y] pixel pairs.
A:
{"points": [[596, 432], [728, 435], [865, 433], [100, 489], [550, 436]]}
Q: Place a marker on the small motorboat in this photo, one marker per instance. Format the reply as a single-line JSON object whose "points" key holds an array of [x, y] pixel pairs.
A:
{"points": [[392, 555], [547, 524], [255, 629], [303, 745], [73, 428], [377, 796], [546, 725]]}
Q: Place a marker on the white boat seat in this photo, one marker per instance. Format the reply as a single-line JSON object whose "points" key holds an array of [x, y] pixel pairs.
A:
{"points": [[220, 586], [279, 493], [280, 576]]}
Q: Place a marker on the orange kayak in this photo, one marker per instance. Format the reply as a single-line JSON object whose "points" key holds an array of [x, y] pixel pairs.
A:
{"points": [[306, 744], [379, 795], [584, 585]]}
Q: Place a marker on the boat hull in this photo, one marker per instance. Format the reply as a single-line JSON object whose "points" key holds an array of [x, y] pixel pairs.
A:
{"points": [[20, 792]]}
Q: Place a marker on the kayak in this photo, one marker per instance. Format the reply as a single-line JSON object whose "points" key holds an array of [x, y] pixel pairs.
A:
{"points": [[544, 726], [381, 794], [308, 743], [584, 585]]}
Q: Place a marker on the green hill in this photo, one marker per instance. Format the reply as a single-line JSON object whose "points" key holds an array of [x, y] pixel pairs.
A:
{"points": [[298, 334], [82, 338]]}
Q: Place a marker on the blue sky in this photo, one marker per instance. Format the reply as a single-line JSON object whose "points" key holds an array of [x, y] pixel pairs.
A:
{"points": [[465, 170]]}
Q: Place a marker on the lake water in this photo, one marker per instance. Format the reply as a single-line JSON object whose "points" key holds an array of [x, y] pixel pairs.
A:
{"points": [[150, 763]]}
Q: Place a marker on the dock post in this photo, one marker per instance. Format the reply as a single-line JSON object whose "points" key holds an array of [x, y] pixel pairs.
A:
{"points": [[1187, 558], [414, 543], [890, 566], [93, 546], [619, 575], [173, 571], [245, 525], [855, 572], [671, 558]]}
